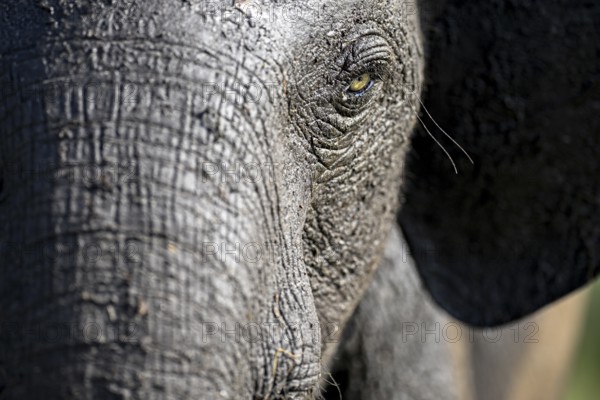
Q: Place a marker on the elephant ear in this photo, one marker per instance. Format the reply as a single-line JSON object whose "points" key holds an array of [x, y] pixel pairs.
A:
{"points": [[517, 84]]}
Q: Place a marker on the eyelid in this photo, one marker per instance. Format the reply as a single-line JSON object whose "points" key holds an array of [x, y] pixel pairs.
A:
{"points": [[371, 55], [380, 56], [375, 50]]}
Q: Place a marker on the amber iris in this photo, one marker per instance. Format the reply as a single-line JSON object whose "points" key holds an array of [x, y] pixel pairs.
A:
{"points": [[360, 84]]}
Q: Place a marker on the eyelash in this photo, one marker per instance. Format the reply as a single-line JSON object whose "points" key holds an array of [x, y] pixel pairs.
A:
{"points": [[378, 69]]}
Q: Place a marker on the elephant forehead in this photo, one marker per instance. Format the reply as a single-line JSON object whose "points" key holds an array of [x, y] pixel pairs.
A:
{"points": [[25, 24], [267, 29]]}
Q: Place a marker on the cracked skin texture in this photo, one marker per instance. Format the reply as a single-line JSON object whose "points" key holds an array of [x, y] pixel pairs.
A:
{"points": [[157, 90], [331, 165]]}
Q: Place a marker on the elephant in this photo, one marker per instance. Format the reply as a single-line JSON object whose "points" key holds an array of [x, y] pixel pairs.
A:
{"points": [[243, 200]]}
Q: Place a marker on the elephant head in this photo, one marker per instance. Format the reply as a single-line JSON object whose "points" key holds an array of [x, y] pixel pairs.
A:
{"points": [[196, 194], [191, 189]]}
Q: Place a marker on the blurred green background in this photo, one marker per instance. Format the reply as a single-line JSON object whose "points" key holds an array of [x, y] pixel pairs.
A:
{"points": [[584, 382]]}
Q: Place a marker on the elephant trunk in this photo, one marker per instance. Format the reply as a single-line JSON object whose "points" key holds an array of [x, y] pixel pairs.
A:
{"points": [[132, 255], [114, 279]]}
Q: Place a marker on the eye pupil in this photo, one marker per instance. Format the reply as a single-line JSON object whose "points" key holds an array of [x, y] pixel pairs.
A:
{"points": [[360, 84]]}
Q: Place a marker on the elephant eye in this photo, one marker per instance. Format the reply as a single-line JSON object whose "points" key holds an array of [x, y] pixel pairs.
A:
{"points": [[361, 84]]}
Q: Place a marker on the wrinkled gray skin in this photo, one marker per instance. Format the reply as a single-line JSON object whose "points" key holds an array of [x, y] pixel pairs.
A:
{"points": [[330, 165], [162, 277], [396, 346]]}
